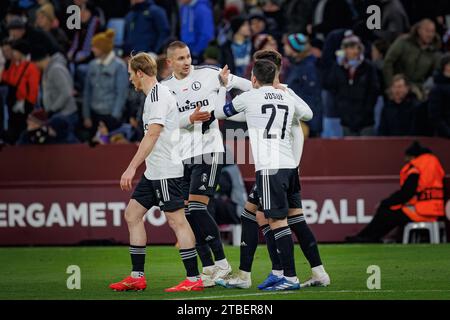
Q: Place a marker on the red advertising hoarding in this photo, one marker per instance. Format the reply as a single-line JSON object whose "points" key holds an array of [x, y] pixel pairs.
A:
{"points": [[46, 197]]}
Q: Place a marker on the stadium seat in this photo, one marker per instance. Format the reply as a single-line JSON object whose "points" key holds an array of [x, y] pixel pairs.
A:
{"points": [[434, 229], [234, 230]]}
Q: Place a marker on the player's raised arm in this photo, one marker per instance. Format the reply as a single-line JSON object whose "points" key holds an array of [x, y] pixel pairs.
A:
{"points": [[144, 150], [235, 82]]}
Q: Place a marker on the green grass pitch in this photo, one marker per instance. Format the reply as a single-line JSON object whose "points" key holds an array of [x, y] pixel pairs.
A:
{"points": [[407, 272]]}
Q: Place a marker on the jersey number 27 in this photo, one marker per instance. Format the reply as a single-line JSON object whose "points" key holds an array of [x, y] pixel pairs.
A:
{"points": [[273, 110]]}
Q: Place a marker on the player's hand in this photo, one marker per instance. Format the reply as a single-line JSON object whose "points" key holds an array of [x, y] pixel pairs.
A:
{"points": [[199, 116], [87, 123], [223, 76], [127, 178]]}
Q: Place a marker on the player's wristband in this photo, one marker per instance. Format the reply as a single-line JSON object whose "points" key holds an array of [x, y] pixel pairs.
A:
{"points": [[206, 124]]}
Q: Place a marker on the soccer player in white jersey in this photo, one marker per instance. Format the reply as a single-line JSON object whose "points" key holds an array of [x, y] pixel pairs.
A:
{"points": [[196, 91], [160, 184], [252, 217], [269, 114]]}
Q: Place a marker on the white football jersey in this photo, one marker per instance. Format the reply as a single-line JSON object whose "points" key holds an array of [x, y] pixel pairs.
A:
{"points": [[164, 161], [269, 114], [200, 88]]}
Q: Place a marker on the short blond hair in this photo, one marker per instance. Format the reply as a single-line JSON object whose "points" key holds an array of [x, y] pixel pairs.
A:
{"points": [[143, 62]]}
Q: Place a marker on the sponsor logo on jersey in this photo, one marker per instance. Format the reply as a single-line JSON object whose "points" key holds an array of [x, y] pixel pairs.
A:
{"points": [[188, 105], [202, 188], [209, 238]]}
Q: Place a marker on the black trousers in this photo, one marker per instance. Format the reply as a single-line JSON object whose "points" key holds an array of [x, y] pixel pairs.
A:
{"points": [[384, 221]]}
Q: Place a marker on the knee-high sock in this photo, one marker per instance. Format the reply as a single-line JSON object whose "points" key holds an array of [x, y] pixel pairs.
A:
{"points": [[306, 239], [189, 258], [271, 247], [137, 254], [249, 240], [285, 246], [207, 228], [203, 249]]}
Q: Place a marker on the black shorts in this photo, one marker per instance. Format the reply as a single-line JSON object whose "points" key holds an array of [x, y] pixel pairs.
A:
{"points": [[166, 194], [278, 191], [201, 174]]}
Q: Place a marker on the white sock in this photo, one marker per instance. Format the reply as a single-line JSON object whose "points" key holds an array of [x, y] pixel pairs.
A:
{"points": [[278, 273], [292, 279], [222, 264], [208, 269], [137, 274], [193, 279], [246, 275], [318, 271]]}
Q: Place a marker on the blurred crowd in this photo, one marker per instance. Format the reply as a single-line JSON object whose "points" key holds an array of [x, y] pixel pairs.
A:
{"points": [[64, 85]]}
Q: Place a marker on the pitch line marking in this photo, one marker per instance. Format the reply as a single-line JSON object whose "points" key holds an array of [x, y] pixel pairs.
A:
{"points": [[304, 292]]}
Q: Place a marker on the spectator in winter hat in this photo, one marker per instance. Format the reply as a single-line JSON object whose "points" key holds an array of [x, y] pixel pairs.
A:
{"points": [[354, 84], [303, 77], [106, 84]]}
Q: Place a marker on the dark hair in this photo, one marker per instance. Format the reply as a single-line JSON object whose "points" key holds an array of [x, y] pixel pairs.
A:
{"points": [[271, 55], [264, 71]]}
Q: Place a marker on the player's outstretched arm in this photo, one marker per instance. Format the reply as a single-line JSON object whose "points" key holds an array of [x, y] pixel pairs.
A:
{"points": [[145, 148]]}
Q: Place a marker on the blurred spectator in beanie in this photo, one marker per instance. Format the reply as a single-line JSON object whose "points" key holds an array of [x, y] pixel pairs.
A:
{"points": [[57, 87], [80, 52], [40, 130], [303, 77], [196, 26], [36, 38], [399, 113], [236, 53], [415, 55], [298, 14], [420, 198], [22, 78], [106, 84], [266, 41], [354, 85], [439, 103], [46, 20], [146, 27], [212, 54]]}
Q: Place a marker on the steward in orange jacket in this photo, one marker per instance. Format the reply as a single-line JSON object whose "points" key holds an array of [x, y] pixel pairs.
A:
{"points": [[420, 198]]}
